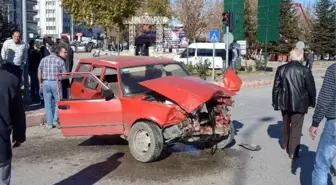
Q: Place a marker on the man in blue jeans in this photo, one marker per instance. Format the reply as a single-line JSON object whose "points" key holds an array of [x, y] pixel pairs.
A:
{"points": [[47, 70], [326, 107]]}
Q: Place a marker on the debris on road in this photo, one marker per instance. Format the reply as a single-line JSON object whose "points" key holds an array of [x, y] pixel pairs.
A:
{"points": [[251, 147]]}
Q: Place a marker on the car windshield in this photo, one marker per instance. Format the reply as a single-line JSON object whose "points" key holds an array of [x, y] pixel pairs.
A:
{"points": [[132, 76]]}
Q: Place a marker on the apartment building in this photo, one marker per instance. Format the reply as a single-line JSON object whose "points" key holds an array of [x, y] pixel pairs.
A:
{"points": [[15, 15]]}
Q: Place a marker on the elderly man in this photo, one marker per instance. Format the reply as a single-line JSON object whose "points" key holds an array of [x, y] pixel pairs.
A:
{"points": [[293, 92], [47, 70], [14, 54]]}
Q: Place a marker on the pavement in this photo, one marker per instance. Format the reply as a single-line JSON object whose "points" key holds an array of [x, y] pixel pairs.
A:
{"points": [[48, 158], [35, 114]]}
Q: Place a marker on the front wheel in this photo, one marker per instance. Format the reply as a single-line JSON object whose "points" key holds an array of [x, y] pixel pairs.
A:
{"points": [[227, 140], [145, 141]]}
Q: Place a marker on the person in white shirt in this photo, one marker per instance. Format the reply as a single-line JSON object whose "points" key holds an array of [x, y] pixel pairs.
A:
{"points": [[14, 55]]}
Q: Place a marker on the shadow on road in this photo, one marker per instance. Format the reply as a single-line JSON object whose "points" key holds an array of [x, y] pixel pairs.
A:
{"points": [[104, 140], [306, 164], [93, 173], [274, 131]]}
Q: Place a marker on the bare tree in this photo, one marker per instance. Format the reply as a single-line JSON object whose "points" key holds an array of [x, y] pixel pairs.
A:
{"points": [[214, 15], [192, 13]]}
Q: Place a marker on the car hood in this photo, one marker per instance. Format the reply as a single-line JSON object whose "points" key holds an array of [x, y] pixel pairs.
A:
{"points": [[187, 91]]}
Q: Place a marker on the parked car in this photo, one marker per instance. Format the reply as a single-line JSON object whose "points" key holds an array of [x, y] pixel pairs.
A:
{"points": [[150, 102]]}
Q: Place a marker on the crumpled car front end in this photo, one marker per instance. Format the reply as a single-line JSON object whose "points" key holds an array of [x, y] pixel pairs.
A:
{"points": [[211, 119]]}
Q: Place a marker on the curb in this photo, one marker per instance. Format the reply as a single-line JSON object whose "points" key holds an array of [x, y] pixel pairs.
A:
{"points": [[35, 119]]}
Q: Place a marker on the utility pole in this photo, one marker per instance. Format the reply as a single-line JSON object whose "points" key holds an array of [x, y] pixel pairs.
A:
{"points": [[25, 40], [72, 28], [8, 12]]}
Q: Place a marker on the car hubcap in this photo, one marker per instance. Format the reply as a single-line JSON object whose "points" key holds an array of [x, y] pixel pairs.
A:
{"points": [[141, 141]]}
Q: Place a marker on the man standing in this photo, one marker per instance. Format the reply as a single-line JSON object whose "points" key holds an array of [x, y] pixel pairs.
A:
{"points": [[47, 70], [310, 59], [14, 54], [70, 56], [326, 107], [293, 92], [34, 58], [12, 118], [68, 65]]}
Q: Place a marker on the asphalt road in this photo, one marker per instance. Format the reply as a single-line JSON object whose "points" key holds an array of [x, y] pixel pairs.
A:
{"points": [[48, 158]]}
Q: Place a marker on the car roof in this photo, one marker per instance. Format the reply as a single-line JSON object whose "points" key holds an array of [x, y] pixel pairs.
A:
{"points": [[206, 45], [125, 61]]}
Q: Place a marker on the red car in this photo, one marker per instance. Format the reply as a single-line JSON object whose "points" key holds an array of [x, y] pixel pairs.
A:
{"points": [[150, 102]]}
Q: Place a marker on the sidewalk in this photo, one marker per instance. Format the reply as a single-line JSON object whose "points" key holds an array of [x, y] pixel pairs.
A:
{"points": [[35, 114]]}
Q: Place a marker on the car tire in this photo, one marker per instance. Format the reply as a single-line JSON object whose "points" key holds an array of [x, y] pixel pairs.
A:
{"points": [[145, 141], [227, 141]]}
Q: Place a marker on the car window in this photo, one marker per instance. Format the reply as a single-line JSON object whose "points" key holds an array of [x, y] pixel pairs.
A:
{"points": [[131, 76], [204, 52], [191, 53], [90, 82], [174, 70], [111, 80], [82, 68]]}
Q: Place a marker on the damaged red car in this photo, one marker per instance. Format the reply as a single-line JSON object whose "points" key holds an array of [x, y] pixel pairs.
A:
{"points": [[150, 102]]}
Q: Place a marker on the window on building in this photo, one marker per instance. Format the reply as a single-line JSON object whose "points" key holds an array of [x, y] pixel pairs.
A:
{"points": [[50, 11], [51, 27], [52, 3], [30, 17], [51, 19]]}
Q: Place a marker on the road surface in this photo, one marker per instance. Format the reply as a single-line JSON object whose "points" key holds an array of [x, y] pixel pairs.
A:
{"points": [[48, 158]]}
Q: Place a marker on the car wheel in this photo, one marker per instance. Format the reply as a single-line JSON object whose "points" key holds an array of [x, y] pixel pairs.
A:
{"points": [[227, 140], [145, 141]]}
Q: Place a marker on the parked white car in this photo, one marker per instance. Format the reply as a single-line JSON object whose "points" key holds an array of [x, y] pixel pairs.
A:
{"points": [[201, 52]]}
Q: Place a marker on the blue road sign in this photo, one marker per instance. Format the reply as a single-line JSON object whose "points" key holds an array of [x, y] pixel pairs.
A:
{"points": [[214, 35]]}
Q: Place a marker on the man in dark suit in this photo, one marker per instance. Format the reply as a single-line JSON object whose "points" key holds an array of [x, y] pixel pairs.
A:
{"points": [[12, 119]]}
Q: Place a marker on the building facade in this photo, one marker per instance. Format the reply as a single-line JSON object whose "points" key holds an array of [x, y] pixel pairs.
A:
{"points": [[47, 18], [15, 15]]}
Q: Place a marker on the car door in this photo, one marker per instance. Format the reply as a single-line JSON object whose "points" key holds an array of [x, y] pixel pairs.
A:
{"points": [[77, 83], [89, 116]]}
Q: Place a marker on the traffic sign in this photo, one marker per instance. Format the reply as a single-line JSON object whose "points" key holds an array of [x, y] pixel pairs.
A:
{"points": [[268, 20], [214, 35], [228, 38], [237, 7]]}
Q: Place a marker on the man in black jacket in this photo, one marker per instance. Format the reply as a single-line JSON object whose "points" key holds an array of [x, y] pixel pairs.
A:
{"points": [[12, 118], [293, 93], [68, 64]]}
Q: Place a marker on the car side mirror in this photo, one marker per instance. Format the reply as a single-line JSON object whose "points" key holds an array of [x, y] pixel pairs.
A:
{"points": [[108, 94]]}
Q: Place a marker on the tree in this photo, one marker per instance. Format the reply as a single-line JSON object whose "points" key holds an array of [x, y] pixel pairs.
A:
{"points": [[159, 8], [250, 25], [213, 15], [289, 31], [192, 13], [6, 27], [324, 28], [106, 13]]}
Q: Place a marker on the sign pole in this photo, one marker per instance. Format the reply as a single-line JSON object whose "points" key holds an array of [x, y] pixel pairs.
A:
{"points": [[227, 50], [266, 55], [213, 59]]}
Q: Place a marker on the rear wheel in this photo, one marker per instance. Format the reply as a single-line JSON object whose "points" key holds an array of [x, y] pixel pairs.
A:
{"points": [[145, 141]]}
